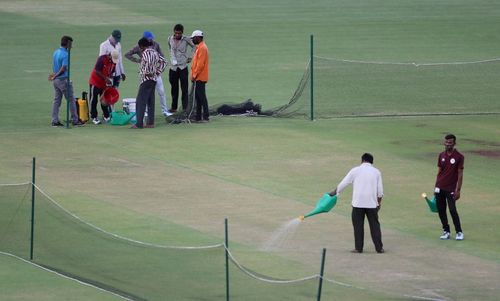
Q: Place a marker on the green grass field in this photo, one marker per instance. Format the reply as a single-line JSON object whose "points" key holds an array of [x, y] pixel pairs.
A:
{"points": [[175, 184]]}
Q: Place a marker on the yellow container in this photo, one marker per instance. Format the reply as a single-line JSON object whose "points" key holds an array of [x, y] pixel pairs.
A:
{"points": [[83, 109]]}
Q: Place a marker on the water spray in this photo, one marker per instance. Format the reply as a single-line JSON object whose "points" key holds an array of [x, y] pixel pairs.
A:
{"points": [[325, 204]]}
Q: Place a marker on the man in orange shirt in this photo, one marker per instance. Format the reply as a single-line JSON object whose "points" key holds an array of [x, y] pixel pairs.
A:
{"points": [[199, 76]]}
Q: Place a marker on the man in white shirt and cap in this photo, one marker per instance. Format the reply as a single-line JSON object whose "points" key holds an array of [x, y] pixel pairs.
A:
{"points": [[113, 43]]}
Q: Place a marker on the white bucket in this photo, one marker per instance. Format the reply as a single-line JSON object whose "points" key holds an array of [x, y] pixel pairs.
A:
{"points": [[129, 107]]}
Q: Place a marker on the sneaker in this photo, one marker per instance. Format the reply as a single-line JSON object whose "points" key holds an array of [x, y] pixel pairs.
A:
{"points": [[57, 123], [446, 235], [173, 110], [149, 126], [78, 123], [96, 121], [167, 113], [460, 236], [107, 119]]}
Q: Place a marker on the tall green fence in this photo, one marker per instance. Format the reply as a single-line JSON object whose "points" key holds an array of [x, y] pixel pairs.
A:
{"points": [[334, 87], [134, 270]]}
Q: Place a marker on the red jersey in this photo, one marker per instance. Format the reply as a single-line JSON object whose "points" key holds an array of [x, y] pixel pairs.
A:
{"points": [[104, 65], [449, 165]]}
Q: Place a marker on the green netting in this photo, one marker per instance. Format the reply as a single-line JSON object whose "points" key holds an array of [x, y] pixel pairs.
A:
{"points": [[134, 270], [354, 88], [15, 219], [138, 271]]}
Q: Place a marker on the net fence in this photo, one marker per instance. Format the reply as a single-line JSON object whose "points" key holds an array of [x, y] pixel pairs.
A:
{"points": [[134, 270], [344, 88], [66, 244]]}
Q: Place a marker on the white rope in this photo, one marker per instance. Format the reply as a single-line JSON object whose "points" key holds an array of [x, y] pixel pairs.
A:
{"points": [[244, 270], [65, 276], [408, 64], [423, 298], [341, 283], [122, 237], [16, 184]]}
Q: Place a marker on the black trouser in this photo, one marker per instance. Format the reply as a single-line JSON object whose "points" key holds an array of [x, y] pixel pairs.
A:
{"points": [[94, 99], [443, 198], [174, 77], [145, 98], [116, 80], [201, 100], [358, 223]]}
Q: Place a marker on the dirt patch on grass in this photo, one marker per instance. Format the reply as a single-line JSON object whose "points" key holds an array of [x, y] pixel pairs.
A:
{"points": [[492, 154], [483, 142]]}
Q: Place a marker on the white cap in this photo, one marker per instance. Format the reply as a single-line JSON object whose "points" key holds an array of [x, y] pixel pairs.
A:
{"points": [[197, 33], [115, 56]]}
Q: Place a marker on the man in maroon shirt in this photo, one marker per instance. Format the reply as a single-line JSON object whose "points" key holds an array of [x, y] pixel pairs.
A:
{"points": [[448, 185]]}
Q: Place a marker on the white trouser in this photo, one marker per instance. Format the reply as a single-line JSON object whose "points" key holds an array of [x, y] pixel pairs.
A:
{"points": [[161, 92]]}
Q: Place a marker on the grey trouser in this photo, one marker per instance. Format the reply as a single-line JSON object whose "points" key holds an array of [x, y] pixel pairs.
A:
{"points": [[161, 92], [61, 87]]}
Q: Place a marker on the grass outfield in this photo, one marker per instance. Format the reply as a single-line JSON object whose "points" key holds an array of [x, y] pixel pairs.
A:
{"points": [[176, 184]]}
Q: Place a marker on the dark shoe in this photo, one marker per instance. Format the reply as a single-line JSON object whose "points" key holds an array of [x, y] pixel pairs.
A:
{"points": [[149, 126], [135, 127], [380, 251], [356, 251], [78, 123], [56, 124], [172, 110]]}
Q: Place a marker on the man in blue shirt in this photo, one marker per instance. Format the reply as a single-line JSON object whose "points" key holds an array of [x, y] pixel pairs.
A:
{"points": [[59, 78]]}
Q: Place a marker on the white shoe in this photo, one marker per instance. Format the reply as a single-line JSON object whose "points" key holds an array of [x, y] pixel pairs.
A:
{"points": [[460, 236], [446, 235], [167, 113], [106, 120], [96, 121]]}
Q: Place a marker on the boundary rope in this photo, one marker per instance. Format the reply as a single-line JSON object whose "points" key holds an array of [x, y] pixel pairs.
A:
{"points": [[16, 184], [408, 64], [122, 237]]}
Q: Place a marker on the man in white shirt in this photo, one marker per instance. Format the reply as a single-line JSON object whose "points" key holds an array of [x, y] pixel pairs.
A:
{"points": [[366, 200], [113, 43]]}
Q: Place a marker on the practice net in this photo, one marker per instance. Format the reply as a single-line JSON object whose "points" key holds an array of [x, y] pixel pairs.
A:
{"points": [[343, 88], [134, 270]]}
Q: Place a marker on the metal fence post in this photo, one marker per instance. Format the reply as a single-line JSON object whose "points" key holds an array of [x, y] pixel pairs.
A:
{"points": [[311, 63], [226, 248], [32, 208], [321, 274]]}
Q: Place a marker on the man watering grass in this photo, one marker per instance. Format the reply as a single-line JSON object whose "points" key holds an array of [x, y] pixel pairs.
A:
{"points": [[367, 196]]}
